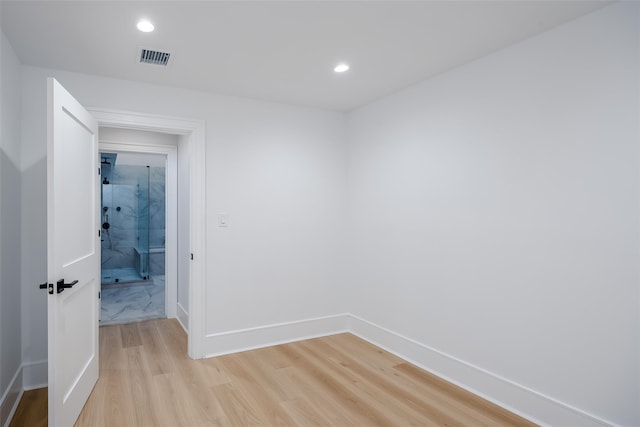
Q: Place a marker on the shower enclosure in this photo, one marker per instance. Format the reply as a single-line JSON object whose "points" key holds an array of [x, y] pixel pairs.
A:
{"points": [[127, 210]]}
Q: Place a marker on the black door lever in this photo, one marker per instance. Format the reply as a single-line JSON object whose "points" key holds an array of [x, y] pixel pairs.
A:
{"points": [[60, 285]]}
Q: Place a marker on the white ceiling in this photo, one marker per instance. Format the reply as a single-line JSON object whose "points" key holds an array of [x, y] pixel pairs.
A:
{"points": [[278, 51]]}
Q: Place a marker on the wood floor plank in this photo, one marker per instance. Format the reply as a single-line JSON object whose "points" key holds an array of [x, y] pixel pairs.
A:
{"points": [[498, 415], [32, 409], [212, 372], [408, 402], [238, 410], [193, 392], [308, 388], [267, 376], [434, 390], [110, 403], [374, 401], [147, 379], [111, 349], [339, 387], [141, 388], [176, 403], [440, 407], [156, 355], [130, 335], [304, 414], [247, 383]]}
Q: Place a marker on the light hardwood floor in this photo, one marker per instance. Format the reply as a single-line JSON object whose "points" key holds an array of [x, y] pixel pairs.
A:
{"points": [[146, 379]]}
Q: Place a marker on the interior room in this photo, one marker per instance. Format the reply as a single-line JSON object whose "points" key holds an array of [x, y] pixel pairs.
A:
{"points": [[455, 184]]}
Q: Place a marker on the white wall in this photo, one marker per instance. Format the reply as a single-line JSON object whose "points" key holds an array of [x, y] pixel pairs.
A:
{"points": [[10, 256], [34, 238], [183, 231], [277, 171], [494, 216], [137, 136]]}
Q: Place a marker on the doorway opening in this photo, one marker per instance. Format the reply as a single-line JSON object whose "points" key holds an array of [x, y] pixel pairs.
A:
{"points": [[189, 218], [141, 263], [133, 236]]}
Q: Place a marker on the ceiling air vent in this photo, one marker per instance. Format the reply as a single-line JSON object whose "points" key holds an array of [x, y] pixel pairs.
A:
{"points": [[154, 57]]}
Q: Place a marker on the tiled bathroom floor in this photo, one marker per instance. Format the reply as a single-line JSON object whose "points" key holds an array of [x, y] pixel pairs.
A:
{"points": [[131, 303]]}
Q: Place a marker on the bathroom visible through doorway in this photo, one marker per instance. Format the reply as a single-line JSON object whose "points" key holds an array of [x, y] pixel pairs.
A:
{"points": [[133, 218]]}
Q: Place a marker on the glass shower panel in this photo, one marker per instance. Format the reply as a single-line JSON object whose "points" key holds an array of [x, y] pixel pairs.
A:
{"points": [[107, 249], [132, 218], [142, 246]]}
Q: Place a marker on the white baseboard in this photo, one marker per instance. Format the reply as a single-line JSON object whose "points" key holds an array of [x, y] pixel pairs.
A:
{"points": [[535, 406], [281, 333], [183, 317], [35, 374], [11, 398]]}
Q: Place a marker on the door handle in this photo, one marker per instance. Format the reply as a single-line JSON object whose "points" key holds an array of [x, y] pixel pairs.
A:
{"points": [[46, 285], [61, 286]]}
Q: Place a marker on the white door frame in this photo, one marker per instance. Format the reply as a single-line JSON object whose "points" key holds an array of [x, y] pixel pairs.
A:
{"points": [[171, 211], [194, 130]]}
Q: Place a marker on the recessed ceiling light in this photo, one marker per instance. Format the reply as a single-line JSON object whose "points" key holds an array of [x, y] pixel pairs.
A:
{"points": [[145, 26], [341, 68]]}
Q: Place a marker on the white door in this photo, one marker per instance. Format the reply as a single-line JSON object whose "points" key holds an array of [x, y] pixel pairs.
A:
{"points": [[73, 254]]}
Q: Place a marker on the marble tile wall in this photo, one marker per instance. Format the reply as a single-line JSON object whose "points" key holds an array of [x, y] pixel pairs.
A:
{"points": [[119, 240], [157, 207], [156, 262]]}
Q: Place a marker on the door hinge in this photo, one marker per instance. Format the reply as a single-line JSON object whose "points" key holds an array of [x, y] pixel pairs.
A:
{"points": [[191, 256], [98, 294], [98, 233], [98, 171]]}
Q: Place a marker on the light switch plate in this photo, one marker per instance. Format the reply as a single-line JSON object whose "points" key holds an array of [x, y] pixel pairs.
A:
{"points": [[223, 220]]}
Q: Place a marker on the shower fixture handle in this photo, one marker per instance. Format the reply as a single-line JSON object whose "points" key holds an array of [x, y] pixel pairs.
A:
{"points": [[61, 286]]}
